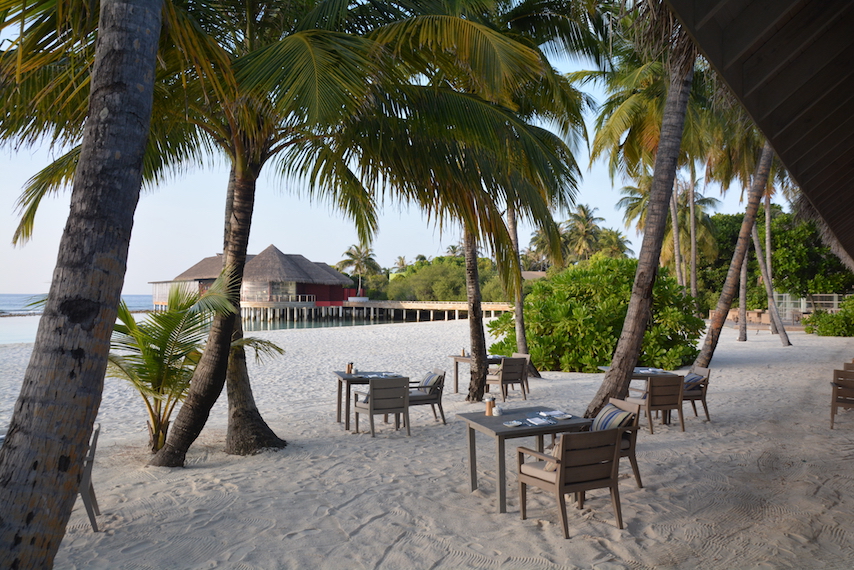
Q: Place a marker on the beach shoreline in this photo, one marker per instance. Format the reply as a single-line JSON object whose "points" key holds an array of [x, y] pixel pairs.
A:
{"points": [[765, 484]]}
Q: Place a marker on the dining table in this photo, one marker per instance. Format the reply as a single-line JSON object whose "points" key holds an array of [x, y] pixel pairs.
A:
{"points": [[466, 359], [536, 421], [346, 380], [644, 373]]}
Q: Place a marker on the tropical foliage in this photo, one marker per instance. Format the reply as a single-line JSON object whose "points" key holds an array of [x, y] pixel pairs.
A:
{"points": [[158, 355], [574, 319], [823, 323], [443, 279]]}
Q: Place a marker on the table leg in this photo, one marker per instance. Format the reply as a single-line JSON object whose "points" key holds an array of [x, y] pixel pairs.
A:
{"points": [[338, 403], [456, 376], [347, 409], [472, 460], [540, 443], [502, 477]]}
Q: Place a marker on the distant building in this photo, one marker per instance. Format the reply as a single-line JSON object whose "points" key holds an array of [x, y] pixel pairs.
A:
{"points": [[275, 284]]}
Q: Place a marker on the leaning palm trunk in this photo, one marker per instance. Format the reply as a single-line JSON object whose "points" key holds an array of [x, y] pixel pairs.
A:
{"points": [[478, 338], [518, 300], [768, 249], [693, 228], [742, 301], [248, 433], [776, 322], [616, 382], [210, 374], [41, 459], [757, 187], [677, 251]]}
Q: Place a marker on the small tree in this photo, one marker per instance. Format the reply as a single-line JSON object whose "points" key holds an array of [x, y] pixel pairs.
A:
{"points": [[158, 355]]}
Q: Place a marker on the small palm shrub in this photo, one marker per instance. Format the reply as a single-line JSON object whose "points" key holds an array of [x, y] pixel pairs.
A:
{"points": [[159, 354], [574, 319]]}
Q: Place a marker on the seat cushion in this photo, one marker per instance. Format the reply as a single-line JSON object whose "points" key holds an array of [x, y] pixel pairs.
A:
{"points": [[692, 381], [610, 417], [417, 395], [538, 469]]}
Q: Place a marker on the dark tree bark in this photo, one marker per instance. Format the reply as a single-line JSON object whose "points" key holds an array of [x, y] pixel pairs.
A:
{"points": [[693, 228], [41, 459], [742, 301], [616, 382], [776, 322], [518, 300], [209, 377], [248, 433], [757, 187], [768, 251], [477, 385], [677, 246]]}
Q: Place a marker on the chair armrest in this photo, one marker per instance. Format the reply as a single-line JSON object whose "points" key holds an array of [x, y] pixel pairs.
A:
{"points": [[542, 456]]}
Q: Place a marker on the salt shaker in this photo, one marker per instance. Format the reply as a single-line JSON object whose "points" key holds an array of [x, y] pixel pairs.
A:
{"points": [[490, 404]]}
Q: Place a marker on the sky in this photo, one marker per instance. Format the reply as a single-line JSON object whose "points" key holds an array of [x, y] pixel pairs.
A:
{"points": [[179, 223]]}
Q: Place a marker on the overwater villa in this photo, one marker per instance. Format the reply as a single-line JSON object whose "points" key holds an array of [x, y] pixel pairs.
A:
{"points": [[276, 286]]}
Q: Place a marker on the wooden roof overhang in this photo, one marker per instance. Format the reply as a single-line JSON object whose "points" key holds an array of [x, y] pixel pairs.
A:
{"points": [[791, 64]]}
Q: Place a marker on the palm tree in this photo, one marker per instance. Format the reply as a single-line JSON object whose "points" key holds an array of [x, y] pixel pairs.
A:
{"points": [[613, 243], [361, 259], [275, 110], [41, 459], [581, 232], [658, 34], [400, 264], [158, 355], [454, 250]]}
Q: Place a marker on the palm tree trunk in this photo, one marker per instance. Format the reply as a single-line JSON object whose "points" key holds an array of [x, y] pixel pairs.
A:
{"points": [[693, 227], [757, 187], [616, 382], [742, 302], [248, 433], [41, 459], [677, 251], [478, 338], [768, 252], [518, 300], [209, 377], [772, 304]]}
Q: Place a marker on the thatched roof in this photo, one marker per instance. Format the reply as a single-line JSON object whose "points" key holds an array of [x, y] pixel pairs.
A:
{"points": [[271, 265]]}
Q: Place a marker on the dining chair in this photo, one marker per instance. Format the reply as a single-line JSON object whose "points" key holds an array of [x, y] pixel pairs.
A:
{"points": [[696, 386], [527, 358], [580, 462], [87, 491], [843, 392], [663, 394], [385, 396], [512, 371], [621, 414], [429, 391]]}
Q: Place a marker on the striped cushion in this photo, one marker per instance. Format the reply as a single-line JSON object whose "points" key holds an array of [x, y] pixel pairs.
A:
{"points": [[693, 381], [549, 465], [610, 417], [429, 380]]}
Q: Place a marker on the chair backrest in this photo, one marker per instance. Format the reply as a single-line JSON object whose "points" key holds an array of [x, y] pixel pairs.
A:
{"points": [[388, 395], [704, 372], [93, 443], [513, 370], [440, 383], [588, 459], [848, 366], [843, 386], [665, 392]]}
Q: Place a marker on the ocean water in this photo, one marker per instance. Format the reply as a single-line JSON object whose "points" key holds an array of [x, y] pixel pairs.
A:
{"points": [[19, 315], [19, 318]]}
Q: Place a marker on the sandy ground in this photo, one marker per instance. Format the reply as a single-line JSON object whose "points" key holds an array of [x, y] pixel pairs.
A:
{"points": [[765, 484]]}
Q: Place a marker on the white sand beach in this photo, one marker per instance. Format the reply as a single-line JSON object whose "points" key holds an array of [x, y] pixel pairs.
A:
{"points": [[765, 484]]}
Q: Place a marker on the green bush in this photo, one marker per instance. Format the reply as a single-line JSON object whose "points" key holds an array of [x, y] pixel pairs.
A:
{"points": [[837, 324], [574, 319]]}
